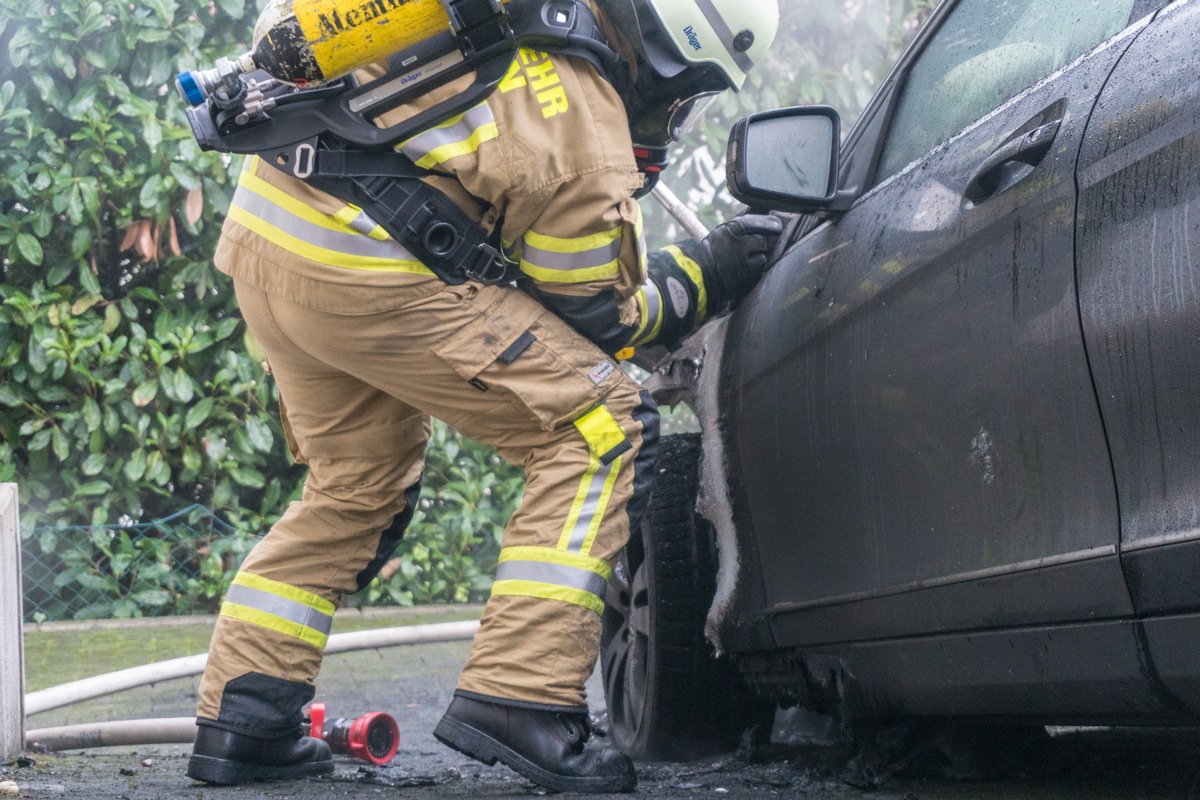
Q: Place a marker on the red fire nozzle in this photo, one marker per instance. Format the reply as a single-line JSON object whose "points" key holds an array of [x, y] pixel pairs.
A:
{"points": [[373, 737]]}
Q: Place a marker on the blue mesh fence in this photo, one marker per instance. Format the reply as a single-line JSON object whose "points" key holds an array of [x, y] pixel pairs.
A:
{"points": [[180, 564]]}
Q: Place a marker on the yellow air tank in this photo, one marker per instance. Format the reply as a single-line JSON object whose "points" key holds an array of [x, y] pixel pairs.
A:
{"points": [[309, 42]]}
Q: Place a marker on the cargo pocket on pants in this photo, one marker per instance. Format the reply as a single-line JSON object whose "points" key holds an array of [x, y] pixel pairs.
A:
{"points": [[516, 347]]}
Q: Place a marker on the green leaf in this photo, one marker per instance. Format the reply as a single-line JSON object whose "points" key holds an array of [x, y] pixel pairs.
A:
{"points": [[234, 8], [84, 303], [152, 598], [112, 318], [145, 392], [91, 414], [184, 391], [59, 273], [148, 197], [93, 488], [8, 397], [112, 423], [151, 132], [29, 248], [135, 467], [81, 240], [59, 441], [259, 434], [214, 447], [94, 464], [88, 280], [82, 103], [198, 413], [246, 476], [39, 441], [226, 327]]}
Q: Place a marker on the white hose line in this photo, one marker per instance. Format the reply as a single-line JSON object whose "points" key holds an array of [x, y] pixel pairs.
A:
{"points": [[101, 685], [115, 733]]}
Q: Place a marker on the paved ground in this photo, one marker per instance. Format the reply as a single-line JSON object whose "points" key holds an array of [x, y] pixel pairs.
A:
{"points": [[415, 684]]}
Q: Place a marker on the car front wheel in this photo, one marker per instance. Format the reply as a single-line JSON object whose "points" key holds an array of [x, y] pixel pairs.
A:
{"points": [[668, 695]]}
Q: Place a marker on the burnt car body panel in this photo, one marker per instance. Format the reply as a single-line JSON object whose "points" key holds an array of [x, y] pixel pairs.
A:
{"points": [[961, 417]]}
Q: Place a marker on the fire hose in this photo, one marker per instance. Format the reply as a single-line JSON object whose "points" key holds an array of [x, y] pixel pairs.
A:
{"points": [[372, 737]]}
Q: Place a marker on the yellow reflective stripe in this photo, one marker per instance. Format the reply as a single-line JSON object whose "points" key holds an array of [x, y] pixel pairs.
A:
{"points": [[549, 592], [591, 501], [650, 305], [602, 506], [643, 252], [545, 572], [601, 432], [552, 259], [578, 244], [285, 626], [321, 255], [550, 555], [276, 196], [457, 136], [280, 607], [356, 219], [325, 239], [697, 277], [572, 276], [284, 590]]}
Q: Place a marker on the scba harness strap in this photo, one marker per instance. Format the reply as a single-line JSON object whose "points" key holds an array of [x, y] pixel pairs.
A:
{"points": [[420, 217]]}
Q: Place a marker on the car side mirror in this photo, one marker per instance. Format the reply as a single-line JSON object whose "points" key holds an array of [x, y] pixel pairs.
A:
{"points": [[785, 160]]}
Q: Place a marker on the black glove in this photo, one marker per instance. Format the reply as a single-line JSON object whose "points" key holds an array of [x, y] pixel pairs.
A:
{"points": [[733, 256]]}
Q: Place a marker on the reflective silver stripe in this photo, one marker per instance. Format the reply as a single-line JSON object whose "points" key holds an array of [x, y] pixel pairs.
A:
{"points": [[587, 512], [718, 24], [556, 574], [363, 223], [280, 607], [568, 262], [337, 241], [423, 144], [654, 304]]}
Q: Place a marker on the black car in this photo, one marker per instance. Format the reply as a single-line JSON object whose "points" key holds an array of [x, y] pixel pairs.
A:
{"points": [[952, 438]]}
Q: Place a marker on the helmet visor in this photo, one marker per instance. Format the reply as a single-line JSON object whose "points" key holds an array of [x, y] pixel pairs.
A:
{"points": [[687, 113], [663, 111]]}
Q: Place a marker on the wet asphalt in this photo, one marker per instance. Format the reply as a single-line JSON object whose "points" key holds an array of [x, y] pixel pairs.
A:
{"points": [[415, 683]]}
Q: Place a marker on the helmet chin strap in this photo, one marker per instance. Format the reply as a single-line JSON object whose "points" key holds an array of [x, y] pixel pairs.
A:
{"points": [[651, 161]]}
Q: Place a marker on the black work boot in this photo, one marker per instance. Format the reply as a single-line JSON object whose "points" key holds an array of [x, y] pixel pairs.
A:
{"points": [[548, 745], [224, 757]]}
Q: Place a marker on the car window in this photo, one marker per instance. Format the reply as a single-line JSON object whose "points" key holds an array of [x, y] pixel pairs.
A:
{"points": [[984, 53]]}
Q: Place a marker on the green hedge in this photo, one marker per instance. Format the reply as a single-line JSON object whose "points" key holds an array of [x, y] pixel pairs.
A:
{"points": [[128, 389]]}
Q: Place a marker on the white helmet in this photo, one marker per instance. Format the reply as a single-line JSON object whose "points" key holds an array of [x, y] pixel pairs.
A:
{"points": [[689, 51], [671, 35]]}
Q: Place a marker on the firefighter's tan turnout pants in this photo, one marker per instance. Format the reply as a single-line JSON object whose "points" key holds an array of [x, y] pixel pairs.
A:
{"points": [[358, 388]]}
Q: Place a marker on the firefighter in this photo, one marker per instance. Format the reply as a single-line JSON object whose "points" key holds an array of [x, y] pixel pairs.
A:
{"points": [[366, 344]]}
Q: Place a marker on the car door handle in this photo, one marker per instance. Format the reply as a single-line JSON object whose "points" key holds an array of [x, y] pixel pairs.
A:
{"points": [[1028, 148]]}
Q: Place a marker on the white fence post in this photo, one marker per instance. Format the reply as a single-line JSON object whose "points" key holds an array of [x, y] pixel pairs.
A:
{"points": [[12, 661]]}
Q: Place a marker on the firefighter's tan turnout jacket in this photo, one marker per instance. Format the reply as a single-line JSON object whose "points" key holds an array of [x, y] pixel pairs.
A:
{"points": [[546, 157]]}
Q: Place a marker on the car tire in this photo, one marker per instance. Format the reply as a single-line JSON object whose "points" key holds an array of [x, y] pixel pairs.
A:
{"points": [[668, 696]]}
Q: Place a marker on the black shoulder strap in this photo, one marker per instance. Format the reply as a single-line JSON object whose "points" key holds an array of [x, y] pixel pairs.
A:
{"points": [[569, 27], [431, 226]]}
